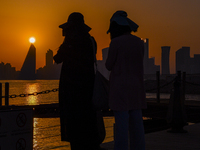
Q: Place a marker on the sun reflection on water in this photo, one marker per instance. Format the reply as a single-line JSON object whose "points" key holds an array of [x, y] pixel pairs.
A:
{"points": [[31, 88], [35, 132]]}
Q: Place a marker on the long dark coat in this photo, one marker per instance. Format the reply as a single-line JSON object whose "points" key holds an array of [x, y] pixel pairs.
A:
{"points": [[78, 119], [125, 61]]}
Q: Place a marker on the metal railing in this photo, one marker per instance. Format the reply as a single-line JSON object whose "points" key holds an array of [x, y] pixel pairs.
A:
{"points": [[156, 89], [7, 96]]}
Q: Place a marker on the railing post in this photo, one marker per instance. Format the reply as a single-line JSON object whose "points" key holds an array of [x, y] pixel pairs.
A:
{"points": [[6, 94], [183, 86], [158, 86], [179, 76], [0, 94]]}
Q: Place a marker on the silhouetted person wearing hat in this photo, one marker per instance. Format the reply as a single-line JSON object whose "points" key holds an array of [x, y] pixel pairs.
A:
{"points": [[78, 119], [127, 95]]}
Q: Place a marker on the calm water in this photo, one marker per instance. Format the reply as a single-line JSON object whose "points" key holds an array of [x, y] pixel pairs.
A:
{"points": [[47, 130], [30, 86], [47, 133]]}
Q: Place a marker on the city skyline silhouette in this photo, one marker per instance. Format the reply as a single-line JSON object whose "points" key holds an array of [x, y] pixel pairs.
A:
{"points": [[51, 70]]}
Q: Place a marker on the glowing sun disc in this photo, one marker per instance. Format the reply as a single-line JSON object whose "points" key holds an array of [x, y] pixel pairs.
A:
{"points": [[32, 40]]}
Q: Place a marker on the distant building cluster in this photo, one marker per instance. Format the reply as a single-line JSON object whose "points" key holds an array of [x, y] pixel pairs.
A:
{"points": [[185, 63], [7, 72], [51, 70]]}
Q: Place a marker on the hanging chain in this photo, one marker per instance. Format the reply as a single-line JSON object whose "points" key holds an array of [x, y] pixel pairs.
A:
{"points": [[34, 93], [161, 86]]}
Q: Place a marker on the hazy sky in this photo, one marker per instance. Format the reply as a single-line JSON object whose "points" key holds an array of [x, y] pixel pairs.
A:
{"points": [[172, 23]]}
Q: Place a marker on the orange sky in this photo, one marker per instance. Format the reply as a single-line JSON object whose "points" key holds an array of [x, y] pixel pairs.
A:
{"points": [[166, 23]]}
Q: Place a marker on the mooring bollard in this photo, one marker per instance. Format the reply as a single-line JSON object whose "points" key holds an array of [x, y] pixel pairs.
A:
{"points": [[183, 86], [176, 112], [6, 94]]}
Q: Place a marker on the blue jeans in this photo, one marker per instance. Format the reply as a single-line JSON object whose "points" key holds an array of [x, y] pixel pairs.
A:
{"points": [[129, 126]]}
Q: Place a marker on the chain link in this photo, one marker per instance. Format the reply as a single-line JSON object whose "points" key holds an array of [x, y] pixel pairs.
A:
{"points": [[192, 83], [161, 86], [33, 94], [195, 84]]}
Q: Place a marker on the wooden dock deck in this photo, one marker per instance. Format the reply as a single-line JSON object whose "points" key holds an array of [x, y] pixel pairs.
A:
{"points": [[163, 140]]}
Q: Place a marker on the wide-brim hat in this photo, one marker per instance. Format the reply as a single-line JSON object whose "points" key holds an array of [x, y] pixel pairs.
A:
{"points": [[75, 19], [120, 17]]}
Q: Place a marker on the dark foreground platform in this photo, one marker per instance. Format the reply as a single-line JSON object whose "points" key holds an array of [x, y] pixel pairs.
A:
{"points": [[163, 140]]}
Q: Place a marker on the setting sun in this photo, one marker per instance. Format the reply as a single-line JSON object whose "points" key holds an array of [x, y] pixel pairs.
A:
{"points": [[32, 40]]}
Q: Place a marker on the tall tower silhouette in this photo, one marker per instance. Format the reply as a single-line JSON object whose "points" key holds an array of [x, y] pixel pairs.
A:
{"points": [[146, 56], [149, 63], [49, 58], [183, 60], [29, 66], [165, 59]]}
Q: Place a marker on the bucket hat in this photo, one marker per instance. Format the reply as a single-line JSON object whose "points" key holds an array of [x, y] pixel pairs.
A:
{"points": [[75, 19], [120, 17]]}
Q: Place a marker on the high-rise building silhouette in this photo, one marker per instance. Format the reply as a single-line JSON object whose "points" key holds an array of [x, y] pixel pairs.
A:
{"points": [[196, 64], [165, 60], [146, 55], [101, 64], [49, 58], [183, 61], [29, 66], [149, 63]]}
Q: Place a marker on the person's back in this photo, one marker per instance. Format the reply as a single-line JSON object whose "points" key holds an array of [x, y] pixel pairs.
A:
{"points": [[130, 51], [127, 73], [127, 95], [77, 117]]}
